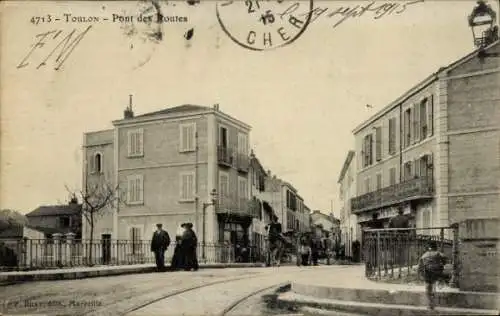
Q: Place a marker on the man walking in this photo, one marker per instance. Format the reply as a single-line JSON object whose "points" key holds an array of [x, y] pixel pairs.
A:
{"points": [[159, 244]]}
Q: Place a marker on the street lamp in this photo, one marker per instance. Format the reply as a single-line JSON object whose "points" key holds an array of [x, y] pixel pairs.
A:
{"points": [[482, 23], [213, 195]]}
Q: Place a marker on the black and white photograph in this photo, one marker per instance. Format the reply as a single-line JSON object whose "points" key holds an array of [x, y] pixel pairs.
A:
{"points": [[249, 157]]}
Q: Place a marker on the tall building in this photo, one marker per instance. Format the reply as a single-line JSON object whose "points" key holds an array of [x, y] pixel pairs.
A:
{"points": [[166, 165], [349, 227], [435, 150]]}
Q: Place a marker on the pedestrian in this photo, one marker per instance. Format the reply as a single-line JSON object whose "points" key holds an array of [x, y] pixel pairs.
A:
{"points": [[159, 244], [189, 243], [431, 266], [304, 251], [316, 246], [275, 240], [328, 244], [178, 258]]}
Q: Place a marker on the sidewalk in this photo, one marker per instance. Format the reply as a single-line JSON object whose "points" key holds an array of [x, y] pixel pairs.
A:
{"points": [[343, 286], [98, 271]]}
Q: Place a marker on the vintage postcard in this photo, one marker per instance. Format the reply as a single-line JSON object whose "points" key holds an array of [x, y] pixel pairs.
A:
{"points": [[249, 157]]}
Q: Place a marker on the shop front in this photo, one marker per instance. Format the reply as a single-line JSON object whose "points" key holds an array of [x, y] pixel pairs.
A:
{"points": [[234, 233]]}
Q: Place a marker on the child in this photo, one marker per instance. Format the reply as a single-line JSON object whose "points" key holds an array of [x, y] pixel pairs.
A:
{"points": [[431, 266], [304, 251]]}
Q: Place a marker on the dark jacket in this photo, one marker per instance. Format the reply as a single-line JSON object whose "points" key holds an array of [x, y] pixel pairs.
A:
{"points": [[160, 241], [275, 231]]}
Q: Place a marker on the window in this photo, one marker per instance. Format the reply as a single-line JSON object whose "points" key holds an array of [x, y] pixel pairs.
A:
{"points": [[291, 200], [416, 124], [136, 143], [426, 218], [392, 176], [242, 192], [187, 137], [379, 181], [407, 171], [135, 189], [430, 115], [64, 222], [407, 128], [367, 153], [392, 136], [96, 163], [223, 141], [243, 144], [423, 119], [378, 143], [223, 185], [135, 240], [367, 185], [187, 186]]}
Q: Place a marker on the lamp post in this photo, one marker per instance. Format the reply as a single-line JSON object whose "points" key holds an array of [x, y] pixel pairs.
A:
{"points": [[482, 23], [213, 195]]}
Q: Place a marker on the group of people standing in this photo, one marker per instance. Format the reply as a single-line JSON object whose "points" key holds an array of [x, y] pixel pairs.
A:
{"points": [[186, 243]]}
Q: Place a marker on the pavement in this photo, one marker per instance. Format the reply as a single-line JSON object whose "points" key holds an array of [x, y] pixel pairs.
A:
{"points": [[12, 277], [350, 291]]}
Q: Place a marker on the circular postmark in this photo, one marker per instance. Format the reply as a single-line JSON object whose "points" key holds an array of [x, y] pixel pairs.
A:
{"points": [[264, 24]]}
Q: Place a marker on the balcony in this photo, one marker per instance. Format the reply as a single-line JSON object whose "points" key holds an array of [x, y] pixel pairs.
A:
{"points": [[225, 156], [237, 206], [242, 163], [415, 189]]}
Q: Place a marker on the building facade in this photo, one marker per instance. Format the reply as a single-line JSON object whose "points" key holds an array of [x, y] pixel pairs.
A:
{"points": [[350, 230], [326, 224], [166, 165], [435, 150]]}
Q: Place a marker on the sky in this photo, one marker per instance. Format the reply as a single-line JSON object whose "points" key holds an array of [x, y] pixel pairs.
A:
{"points": [[302, 100]]}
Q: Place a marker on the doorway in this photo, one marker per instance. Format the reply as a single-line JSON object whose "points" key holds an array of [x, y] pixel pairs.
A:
{"points": [[106, 248]]}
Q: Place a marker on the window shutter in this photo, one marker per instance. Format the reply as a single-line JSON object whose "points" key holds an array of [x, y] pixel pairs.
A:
{"points": [[416, 167], [378, 141], [129, 142], [140, 196], [92, 164], [430, 115], [416, 117], [370, 149], [130, 188], [140, 142]]}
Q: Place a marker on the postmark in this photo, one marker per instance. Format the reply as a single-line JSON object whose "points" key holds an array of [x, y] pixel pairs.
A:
{"points": [[261, 25]]}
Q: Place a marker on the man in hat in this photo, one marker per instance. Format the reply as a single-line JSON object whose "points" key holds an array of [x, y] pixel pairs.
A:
{"points": [[159, 244]]}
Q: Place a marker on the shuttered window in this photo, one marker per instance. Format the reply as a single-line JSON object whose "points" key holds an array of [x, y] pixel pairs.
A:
{"points": [[135, 189], [187, 137], [187, 186], [378, 143], [136, 142]]}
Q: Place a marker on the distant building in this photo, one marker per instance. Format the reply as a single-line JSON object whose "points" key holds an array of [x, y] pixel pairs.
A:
{"points": [[327, 223], [350, 230], [434, 150], [63, 219]]}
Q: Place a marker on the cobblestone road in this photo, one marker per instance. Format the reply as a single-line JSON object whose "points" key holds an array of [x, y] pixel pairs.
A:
{"points": [[106, 295]]}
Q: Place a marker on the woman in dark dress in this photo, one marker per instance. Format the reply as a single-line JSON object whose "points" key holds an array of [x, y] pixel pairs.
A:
{"points": [[178, 258], [189, 244]]}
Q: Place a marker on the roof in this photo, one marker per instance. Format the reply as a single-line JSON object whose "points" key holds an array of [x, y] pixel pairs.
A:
{"points": [[176, 109], [326, 216], [56, 210], [17, 231], [422, 84], [347, 162], [255, 162]]}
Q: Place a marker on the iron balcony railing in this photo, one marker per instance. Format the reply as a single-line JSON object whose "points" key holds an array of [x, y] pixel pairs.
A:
{"points": [[242, 162], [421, 187], [236, 205], [35, 254], [225, 156]]}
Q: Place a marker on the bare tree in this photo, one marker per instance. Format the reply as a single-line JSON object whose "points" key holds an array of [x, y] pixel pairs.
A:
{"points": [[10, 218], [97, 199]]}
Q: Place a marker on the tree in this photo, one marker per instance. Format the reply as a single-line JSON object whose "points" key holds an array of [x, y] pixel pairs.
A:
{"points": [[10, 218], [97, 199]]}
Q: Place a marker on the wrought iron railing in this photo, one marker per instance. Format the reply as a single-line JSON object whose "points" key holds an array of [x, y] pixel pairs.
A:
{"points": [[235, 205], [395, 253], [417, 187], [32, 254], [225, 156]]}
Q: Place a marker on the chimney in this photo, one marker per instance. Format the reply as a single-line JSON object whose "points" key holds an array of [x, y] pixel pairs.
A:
{"points": [[73, 200], [216, 107], [252, 154], [269, 173], [128, 113]]}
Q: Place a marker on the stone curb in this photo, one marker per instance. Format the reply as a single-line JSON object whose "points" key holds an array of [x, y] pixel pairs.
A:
{"points": [[53, 275], [473, 300]]}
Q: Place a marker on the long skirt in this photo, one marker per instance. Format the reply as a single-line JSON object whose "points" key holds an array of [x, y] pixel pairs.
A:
{"points": [[178, 261], [190, 259]]}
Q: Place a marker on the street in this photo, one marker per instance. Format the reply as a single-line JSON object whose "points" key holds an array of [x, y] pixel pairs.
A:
{"points": [[133, 294]]}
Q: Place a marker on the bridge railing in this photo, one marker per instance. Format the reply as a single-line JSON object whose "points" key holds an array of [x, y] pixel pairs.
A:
{"points": [[395, 252]]}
